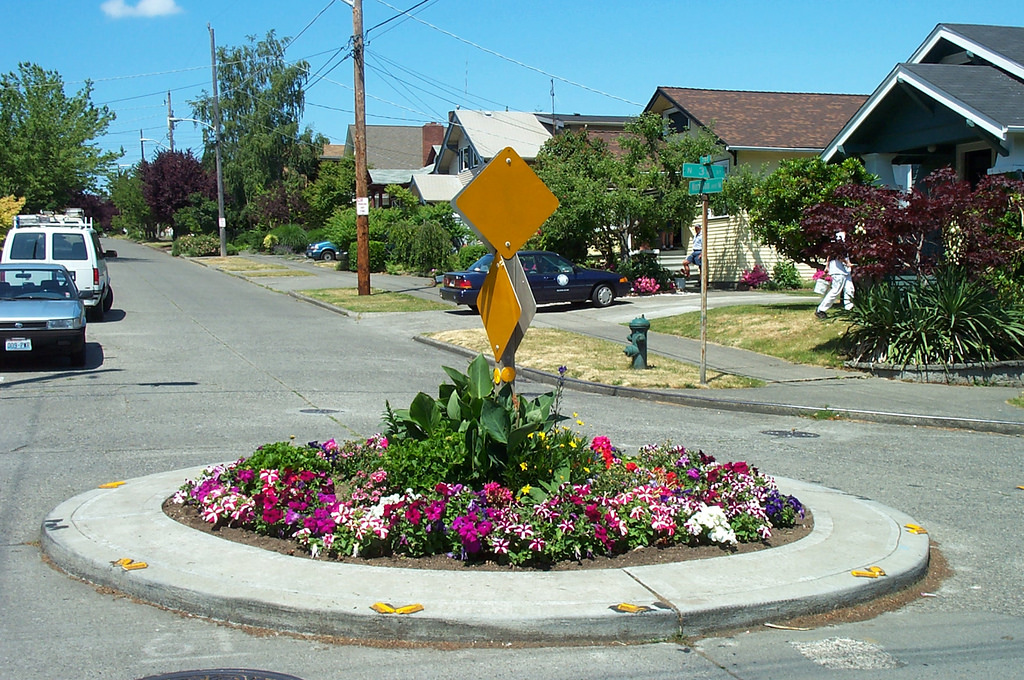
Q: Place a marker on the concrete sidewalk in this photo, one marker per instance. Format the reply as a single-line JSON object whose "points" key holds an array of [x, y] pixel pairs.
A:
{"points": [[790, 389], [201, 574]]}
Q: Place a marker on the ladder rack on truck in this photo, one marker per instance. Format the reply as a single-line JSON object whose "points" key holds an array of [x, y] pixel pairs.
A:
{"points": [[73, 218]]}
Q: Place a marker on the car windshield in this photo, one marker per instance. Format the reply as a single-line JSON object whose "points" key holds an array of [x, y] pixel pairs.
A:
{"points": [[36, 284], [483, 264]]}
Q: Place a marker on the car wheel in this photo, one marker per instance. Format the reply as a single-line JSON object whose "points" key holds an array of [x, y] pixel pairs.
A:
{"points": [[327, 256], [474, 309], [108, 301], [78, 358], [602, 296], [95, 314]]}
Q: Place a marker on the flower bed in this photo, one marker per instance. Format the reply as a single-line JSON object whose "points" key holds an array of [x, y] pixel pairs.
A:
{"points": [[341, 503], [483, 474]]}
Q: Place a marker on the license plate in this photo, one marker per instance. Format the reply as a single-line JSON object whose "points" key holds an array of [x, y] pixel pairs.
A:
{"points": [[19, 345]]}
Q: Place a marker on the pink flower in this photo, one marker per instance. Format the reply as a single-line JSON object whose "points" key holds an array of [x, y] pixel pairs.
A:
{"points": [[499, 545], [537, 544]]}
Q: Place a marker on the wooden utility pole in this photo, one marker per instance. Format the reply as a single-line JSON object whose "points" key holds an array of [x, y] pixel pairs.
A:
{"points": [[222, 223], [170, 123], [362, 194]]}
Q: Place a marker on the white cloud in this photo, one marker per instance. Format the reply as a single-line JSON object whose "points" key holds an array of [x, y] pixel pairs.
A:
{"points": [[119, 9]]}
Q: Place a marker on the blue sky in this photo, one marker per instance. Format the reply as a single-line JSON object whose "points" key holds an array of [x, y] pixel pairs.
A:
{"points": [[604, 57]]}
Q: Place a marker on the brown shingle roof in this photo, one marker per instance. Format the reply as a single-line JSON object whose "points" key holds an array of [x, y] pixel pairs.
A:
{"points": [[776, 120]]}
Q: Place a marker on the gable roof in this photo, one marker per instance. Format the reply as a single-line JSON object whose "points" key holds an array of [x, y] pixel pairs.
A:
{"points": [[491, 131], [764, 120], [970, 71], [390, 147]]}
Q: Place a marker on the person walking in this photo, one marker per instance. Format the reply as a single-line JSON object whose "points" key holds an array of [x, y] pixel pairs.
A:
{"points": [[842, 282]]}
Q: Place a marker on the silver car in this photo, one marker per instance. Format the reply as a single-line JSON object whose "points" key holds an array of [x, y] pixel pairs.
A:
{"points": [[41, 312]]}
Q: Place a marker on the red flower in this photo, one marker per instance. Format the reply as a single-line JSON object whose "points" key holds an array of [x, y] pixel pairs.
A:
{"points": [[631, 466]]}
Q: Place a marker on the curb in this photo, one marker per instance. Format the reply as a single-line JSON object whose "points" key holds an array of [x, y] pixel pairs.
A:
{"points": [[206, 576], [768, 408]]}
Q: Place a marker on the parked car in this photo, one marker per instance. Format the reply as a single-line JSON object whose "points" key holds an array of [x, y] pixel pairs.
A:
{"points": [[41, 312], [69, 240], [552, 279], [323, 250]]}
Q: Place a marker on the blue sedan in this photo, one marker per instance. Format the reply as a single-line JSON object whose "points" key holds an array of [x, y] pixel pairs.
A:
{"points": [[552, 279]]}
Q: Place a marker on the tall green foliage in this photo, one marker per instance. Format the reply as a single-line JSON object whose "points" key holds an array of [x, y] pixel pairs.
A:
{"points": [[776, 202], [261, 105], [943, 319], [47, 149], [134, 215]]}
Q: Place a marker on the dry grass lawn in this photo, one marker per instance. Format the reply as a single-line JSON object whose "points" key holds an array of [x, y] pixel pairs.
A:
{"points": [[377, 301], [595, 360]]}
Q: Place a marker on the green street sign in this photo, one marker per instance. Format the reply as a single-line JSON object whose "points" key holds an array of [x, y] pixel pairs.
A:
{"points": [[717, 171], [695, 171], [705, 186]]}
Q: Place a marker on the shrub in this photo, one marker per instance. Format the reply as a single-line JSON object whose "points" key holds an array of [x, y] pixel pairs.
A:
{"points": [[944, 319], [755, 277], [785, 275], [195, 245], [291, 236], [640, 265], [467, 255], [378, 256]]}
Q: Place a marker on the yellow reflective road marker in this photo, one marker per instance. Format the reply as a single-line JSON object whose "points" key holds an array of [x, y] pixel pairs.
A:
{"points": [[627, 608], [385, 608], [128, 564], [915, 529], [870, 572], [111, 485]]}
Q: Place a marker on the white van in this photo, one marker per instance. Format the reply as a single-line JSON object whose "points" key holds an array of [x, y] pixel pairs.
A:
{"points": [[69, 240]]}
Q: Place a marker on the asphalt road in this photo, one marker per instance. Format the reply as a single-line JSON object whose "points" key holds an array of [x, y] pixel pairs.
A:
{"points": [[193, 366]]}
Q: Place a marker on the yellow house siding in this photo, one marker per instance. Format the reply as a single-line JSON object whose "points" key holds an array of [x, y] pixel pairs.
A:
{"points": [[732, 249]]}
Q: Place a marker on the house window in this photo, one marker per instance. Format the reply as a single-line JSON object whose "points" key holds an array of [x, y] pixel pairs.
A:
{"points": [[467, 159]]}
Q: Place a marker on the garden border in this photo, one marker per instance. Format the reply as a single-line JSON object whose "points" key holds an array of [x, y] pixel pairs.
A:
{"points": [[1001, 373]]}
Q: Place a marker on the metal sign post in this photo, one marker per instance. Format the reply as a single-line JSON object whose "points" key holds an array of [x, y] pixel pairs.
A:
{"points": [[706, 179]]}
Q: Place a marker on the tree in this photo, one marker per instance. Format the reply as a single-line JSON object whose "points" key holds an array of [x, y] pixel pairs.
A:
{"points": [[133, 216], [776, 203], [651, 194], [261, 104], [10, 206], [943, 222], [580, 171], [47, 152], [335, 187], [169, 182]]}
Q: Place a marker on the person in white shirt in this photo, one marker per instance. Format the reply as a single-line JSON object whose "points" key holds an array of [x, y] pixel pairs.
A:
{"points": [[698, 250], [842, 283]]}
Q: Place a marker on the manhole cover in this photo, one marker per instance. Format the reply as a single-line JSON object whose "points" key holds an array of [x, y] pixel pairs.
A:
{"points": [[318, 411], [222, 674], [793, 434]]}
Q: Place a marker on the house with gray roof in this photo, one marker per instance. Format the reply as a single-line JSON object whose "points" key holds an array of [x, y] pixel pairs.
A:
{"points": [[958, 101]]}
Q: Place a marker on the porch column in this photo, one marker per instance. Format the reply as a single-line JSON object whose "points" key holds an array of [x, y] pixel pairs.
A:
{"points": [[881, 164], [1013, 161]]}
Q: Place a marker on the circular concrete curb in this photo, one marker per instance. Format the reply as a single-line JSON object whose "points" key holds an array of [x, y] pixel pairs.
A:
{"points": [[207, 576]]}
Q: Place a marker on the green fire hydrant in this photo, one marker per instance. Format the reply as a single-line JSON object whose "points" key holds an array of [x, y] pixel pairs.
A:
{"points": [[638, 342]]}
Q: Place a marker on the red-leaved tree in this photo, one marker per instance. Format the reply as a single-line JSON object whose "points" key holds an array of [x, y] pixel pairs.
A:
{"points": [[169, 182], [943, 222]]}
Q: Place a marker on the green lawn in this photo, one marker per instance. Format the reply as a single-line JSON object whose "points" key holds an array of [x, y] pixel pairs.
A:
{"points": [[788, 330], [376, 301]]}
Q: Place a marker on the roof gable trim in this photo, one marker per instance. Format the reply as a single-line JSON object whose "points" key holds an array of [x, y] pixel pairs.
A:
{"points": [[944, 33]]}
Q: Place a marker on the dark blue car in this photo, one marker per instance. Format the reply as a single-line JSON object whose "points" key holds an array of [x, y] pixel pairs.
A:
{"points": [[552, 279]]}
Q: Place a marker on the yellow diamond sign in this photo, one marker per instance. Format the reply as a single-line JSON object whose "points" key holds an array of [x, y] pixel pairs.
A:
{"points": [[506, 203], [499, 307]]}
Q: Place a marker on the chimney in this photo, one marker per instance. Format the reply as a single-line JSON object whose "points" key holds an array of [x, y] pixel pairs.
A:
{"points": [[432, 135]]}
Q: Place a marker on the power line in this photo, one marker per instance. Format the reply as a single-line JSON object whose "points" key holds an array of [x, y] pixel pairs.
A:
{"points": [[514, 61]]}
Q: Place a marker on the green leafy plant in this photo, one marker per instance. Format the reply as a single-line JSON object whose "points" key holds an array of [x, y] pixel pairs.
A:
{"points": [[195, 245], [943, 319], [645, 265], [784, 276], [497, 428]]}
